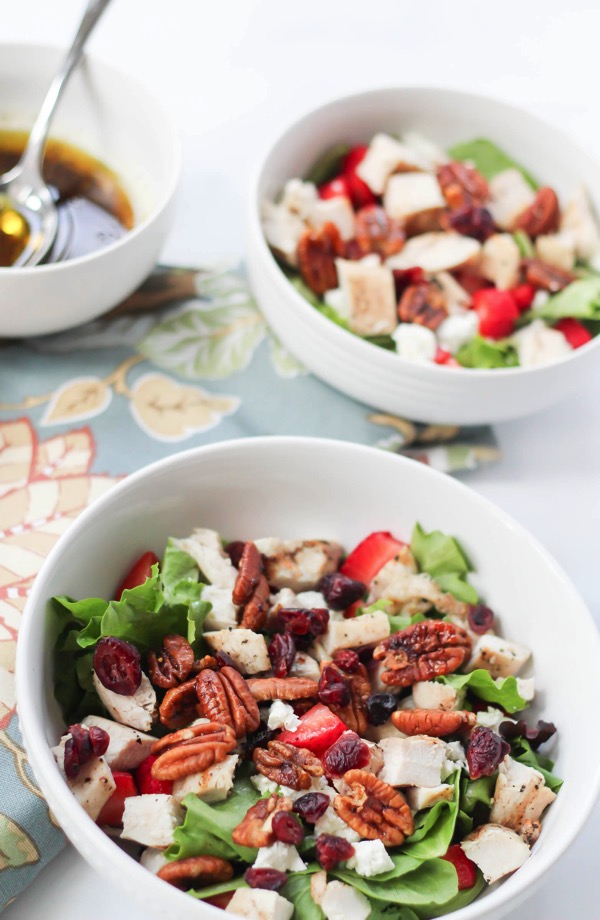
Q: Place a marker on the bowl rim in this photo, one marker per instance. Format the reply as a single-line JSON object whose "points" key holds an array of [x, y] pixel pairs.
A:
{"points": [[168, 189], [70, 814], [343, 338]]}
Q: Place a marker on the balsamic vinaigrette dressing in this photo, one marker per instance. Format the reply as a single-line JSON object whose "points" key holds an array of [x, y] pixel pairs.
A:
{"points": [[93, 209]]}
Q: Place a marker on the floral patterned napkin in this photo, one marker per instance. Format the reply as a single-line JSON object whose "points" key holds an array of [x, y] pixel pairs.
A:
{"points": [[187, 360]]}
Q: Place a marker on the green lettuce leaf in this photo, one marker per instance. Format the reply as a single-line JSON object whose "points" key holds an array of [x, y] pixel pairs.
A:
{"points": [[476, 792], [207, 829], [324, 308], [382, 604], [399, 622], [297, 890], [460, 900], [580, 299], [442, 557], [483, 353], [434, 827], [522, 751], [523, 241], [381, 911], [220, 888], [328, 165], [488, 159], [430, 883], [502, 691], [180, 576]]}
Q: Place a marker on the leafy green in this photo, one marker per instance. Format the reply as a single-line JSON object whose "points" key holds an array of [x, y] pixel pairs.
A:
{"points": [[434, 827], [382, 604], [488, 159], [220, 888], [207, 828], [502, 691], [523, 241], [522, 751], [297, 890], [460, 900], [328, 165], [430, 883], [482, 353], [400, 622], [382, 341], [180, 576], [380, 911], [442, 557], [580, 299], [476, 792]]}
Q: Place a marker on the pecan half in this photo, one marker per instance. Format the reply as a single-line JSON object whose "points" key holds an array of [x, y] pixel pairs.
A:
{"points": [[545, 276], [256, 610], [191, 750], [178, 707], [199, 870], [470, 221], [287, 765], [255, 829], [249, 571], [354, 715], [224, 696], [316, 253], [424, 304], [422, 651], [173, 664], [541, 216], [282, 688], [433, 722], [462, 185], [376, 231], [374, 809]]}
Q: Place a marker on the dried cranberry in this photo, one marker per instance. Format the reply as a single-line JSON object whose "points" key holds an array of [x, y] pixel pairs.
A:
{"points": [[481, 618], [282, 651], [486, 752], [334, 689], [340, 591], [332, 850], [318, 621], [349, 752], [471, 221], [380, 706], [225, 661], [303, 624], [404, 277], [82, 746], [234, 550], [271, 879], [347, 660], [258, 739], [536, 736], [311, 806], [117, 665], [287, 828], [365, 653]]}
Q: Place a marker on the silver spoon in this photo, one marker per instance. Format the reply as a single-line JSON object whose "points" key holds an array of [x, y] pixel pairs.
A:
{"points": [[27, 209]]}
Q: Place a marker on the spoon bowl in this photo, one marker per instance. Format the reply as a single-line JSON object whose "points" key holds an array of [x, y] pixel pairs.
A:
{"points": [[27, 207]]}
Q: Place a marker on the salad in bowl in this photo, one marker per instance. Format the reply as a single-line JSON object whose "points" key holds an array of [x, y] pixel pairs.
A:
{"points": [[455, 257], [283, 728]]}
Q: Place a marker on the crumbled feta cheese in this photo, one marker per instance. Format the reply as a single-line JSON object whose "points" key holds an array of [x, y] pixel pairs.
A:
{"points": [[436, 252], [260, 904], [304, 665], [282, 715], [331, 823], [457, 330], [280, 856], [384, 157], [498, 656], [137, 711], [419, 797], [247, 648], [370, 858], [282, 230], [151, 819], [496, 850], [211, 785], [510, 195], [538, 344], [370, 296], [415, 761], [407, 194], [415, 343], [491, 718], [429, 694], [341, 902], [526, 688], [500, 261], [456, 758], [337, 210], [520, 796]]}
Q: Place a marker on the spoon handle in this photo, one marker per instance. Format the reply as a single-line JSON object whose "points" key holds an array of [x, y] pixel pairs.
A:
{"points": [[34, 151]]}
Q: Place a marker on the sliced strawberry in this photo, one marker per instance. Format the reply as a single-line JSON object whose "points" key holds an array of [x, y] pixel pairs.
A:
{"points": [[365, 561], [497, 311], [336, 188], [146, 782], [523, 296], [444, 357], [574, 332], [220, 900], [138, 573], [465, 867], [318, 730], [360, 193], [112, 811]]}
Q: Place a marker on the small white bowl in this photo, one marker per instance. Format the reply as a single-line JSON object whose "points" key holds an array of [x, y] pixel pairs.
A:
{"points": [[305, 487], [112, 117], [426, 392]]}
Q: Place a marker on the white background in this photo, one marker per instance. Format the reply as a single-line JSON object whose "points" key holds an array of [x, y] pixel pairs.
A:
{"points": [[233, 73]]}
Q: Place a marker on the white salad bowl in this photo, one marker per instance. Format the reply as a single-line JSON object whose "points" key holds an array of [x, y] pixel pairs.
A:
{"points": [[307, 488], [423, 391], [111, 116]]}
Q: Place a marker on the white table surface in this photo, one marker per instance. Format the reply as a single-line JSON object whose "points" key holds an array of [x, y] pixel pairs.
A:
{"points": [[233, 73]]}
